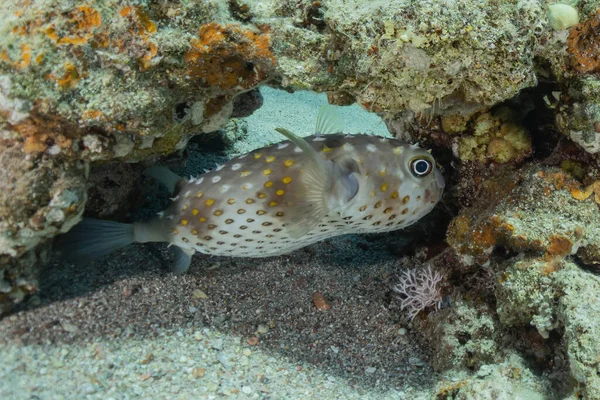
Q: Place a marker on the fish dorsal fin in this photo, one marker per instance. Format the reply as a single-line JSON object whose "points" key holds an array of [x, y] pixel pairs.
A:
{"points": [[329, 120], [308, 201]]}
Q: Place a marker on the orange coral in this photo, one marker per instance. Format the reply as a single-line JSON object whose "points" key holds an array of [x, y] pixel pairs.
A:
{"points": [[41, 132], [226, 56], [80, 25], [141, 23], [559, 245], [584, 45], [141, 26], [70, 77]]}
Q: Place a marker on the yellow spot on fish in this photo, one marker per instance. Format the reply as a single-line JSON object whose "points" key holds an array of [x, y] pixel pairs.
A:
{"points": [[372, 193], [261, 195], [272, 204], [261, 212], [382, 172], [231, 201], [384, 187], [194, 232], [202, 219], [406, 199], [286, 180], [175, 232], [218, 213], [229, 221], [185, 207], [210, 202], [394, 195], [378, 204], [326, 149], [199, 194], [280, 192], [245, 187], [280, 214], [397, 150], [387, 210], [405, 211], [268, 184], [270, 158], [184, 222], [363, 208], [288, 163], [241, 211], [257, 155], [267, 171], [195, 212], [249, 201], [244, 173]]}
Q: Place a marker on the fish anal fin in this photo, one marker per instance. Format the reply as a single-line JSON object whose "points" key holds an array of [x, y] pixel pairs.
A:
{"points": [[182, 260]]}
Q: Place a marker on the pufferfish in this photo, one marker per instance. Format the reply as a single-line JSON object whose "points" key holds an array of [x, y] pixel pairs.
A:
{"points": [[282, 197]]}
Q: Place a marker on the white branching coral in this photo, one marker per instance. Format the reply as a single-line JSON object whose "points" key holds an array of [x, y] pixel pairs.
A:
{"points": [[419, 288]]}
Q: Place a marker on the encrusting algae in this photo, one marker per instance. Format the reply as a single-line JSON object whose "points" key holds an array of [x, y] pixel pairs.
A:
{"points": [[281, 198]]}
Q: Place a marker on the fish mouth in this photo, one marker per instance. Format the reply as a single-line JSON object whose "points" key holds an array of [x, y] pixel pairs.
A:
{"points": [[439, 179]]}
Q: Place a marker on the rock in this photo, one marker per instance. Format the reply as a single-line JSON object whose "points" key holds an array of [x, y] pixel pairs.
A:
{"points": [[467, 339], [40, 196], [537, 209], [511, 379]]}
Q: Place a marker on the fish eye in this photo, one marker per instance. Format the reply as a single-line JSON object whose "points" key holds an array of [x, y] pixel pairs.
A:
{"points": [[421, 167]]}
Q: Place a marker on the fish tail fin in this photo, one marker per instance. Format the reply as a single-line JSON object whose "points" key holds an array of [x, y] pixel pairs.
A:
{"points": [[93, 238]]}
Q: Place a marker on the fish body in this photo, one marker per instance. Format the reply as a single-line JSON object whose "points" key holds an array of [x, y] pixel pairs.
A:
{"points": [[241, 208], [282, 197]]}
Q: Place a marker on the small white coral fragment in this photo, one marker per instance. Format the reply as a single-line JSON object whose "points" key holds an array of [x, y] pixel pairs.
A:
{"points": [[562, 16], [419, 289]]}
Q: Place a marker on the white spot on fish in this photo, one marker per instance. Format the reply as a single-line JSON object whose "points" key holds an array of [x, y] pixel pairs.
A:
{"points": [[216, 179], [297, 150], [187, 194], [219, 167], [199, 181], [235, 167], [318, 139], [371, 147], [282, 146], [225, 188], [347, 147], [243, 156]]}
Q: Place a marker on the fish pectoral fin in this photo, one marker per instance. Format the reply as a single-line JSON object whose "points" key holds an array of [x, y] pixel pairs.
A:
{"points": [[308, 198], [165, 176], [329, 121], [182, 260]]}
